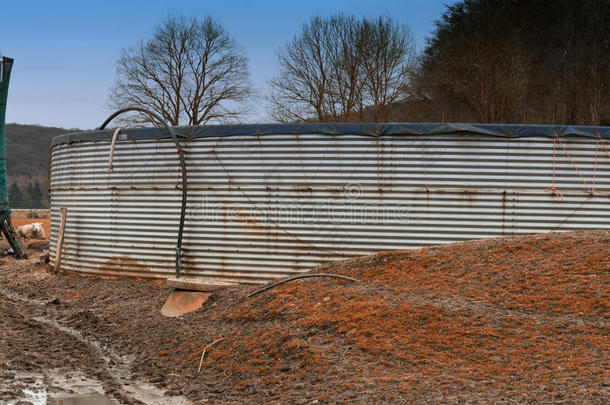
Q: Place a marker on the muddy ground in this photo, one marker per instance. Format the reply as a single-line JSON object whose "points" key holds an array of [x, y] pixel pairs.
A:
{"points": [[521, 319]]}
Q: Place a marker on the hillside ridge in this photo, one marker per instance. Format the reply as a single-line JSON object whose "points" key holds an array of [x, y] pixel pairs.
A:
{"points": [[28, 147]]}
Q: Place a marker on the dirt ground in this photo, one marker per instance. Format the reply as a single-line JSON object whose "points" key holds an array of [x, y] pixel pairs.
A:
{"points": [[522, 319], [30, 213]]}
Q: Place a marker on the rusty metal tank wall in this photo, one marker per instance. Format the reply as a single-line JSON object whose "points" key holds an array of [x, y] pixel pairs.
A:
{"points": [[269, 204]]}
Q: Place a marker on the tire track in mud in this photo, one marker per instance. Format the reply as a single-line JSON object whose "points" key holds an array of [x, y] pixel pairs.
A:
{"points": [[116, 368]]}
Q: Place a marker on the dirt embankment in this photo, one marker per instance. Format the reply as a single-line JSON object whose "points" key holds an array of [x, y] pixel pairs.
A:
{"points": [[520, 319]]}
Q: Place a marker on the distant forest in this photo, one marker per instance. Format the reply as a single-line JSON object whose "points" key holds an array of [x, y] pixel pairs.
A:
{"points": [[28, 149]]}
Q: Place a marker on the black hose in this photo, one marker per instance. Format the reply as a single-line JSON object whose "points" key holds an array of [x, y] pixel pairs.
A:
{"points": [[302, 276], [182, 164]]}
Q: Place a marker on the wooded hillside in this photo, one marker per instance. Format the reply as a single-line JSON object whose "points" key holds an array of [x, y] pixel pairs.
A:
{"points": [[28, 149]]}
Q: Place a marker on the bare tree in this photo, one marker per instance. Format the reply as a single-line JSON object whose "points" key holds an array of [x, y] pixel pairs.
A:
{"points": [[299, 92], [345, 46], [190, 72], [389, 61], [339, 67]]}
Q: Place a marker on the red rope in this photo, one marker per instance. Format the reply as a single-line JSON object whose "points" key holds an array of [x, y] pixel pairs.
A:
{"points": [[553, 189], [604, 145], [599, 140], [595, 165]]}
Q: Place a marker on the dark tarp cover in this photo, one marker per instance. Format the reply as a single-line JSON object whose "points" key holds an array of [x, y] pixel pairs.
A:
{"points": [[367, 129]]}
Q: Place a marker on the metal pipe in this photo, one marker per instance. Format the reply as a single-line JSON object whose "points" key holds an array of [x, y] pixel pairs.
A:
{"points": [[302, 276], [182, 165], [112, 145]]}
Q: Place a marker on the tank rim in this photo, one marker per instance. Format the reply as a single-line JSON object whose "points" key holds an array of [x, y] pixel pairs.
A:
{"points": [[338, 129]]}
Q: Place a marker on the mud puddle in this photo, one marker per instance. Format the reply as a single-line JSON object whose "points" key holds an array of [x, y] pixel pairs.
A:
{"points": [[64, 386], [69, 388], [58, 387]]}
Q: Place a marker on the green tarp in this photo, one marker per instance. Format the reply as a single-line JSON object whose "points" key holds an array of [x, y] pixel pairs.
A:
{"points": [[5, 77]]}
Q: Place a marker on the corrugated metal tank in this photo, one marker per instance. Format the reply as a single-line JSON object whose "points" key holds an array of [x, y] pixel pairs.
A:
{"points": [[269, 201]]}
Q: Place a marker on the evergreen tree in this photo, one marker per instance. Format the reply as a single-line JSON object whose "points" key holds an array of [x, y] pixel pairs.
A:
{"points": [[27, 196], [15, 196], [36, 196], [529, 61], [46, 199]]}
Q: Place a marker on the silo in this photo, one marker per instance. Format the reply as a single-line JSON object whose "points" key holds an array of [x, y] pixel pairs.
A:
{"points": [[269, 201]]}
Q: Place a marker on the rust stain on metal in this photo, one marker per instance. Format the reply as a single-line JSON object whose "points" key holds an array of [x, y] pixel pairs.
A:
{"points": [[123, 263], [186, 262], [336, 191], [224, 233], [503, 212], [514, 214], [302, 189], [252, 223], [470, 193]]}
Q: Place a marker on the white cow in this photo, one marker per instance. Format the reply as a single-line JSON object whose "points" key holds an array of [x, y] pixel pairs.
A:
{"points": [[33, 230]]}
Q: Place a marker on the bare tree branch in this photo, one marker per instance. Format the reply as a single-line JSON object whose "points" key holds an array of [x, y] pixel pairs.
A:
{"points": [[190, 72], [339, 66]]}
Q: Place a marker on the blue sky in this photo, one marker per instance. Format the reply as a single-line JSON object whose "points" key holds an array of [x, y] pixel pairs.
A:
{"points": [[65, 51]]}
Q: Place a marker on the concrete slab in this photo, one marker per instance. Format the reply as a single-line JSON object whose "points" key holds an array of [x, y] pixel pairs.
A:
{"points": [[196, 284]]}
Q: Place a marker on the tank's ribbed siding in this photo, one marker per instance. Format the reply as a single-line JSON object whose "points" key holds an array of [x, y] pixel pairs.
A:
{"points": [[265, 207]]}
